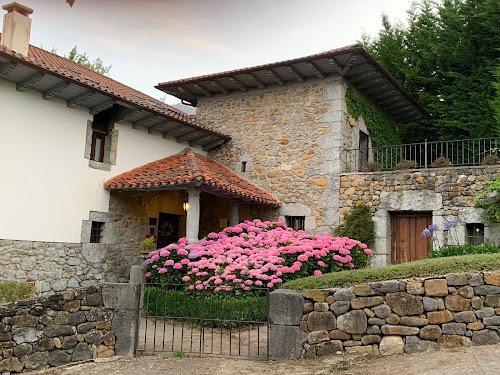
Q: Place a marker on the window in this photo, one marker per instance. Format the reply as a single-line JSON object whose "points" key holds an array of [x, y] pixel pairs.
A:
{"points": [[243, 166], [95, 231], [99, 134], [475, 233], [295, 222]]}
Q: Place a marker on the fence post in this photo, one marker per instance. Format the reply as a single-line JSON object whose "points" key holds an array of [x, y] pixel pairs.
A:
{"points": [[425, 153]]}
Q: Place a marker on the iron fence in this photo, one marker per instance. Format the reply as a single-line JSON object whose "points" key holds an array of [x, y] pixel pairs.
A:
{"points": [[464, 152], [174, 318]]}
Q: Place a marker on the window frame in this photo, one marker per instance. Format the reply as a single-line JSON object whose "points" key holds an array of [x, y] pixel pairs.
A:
{"points": [[98, 134], [296, 222], [96, 229], [473, 228]]}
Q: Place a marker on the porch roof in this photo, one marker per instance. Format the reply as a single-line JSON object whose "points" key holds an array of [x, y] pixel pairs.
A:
{"points": [[188, 168]]}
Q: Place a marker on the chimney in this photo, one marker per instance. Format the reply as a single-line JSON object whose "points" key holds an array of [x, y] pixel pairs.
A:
{"points": [[16, 28]]}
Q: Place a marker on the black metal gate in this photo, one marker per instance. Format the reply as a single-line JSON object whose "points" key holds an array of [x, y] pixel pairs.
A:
{"points": [[174, 318]]}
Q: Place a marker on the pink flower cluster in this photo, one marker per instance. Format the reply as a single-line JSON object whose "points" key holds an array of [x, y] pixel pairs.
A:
{"points": [[252, 253]]}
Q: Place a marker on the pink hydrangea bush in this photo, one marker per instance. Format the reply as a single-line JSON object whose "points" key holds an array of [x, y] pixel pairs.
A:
{"points": [[251, 254]]}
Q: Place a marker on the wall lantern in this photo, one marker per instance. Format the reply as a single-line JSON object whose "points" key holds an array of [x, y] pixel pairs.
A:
{"points": [[185, 206]]}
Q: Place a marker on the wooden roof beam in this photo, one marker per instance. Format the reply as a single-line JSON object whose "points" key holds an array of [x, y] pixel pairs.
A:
{"points": [[390, 100], [299, 77], [84, 96], [387, 107], [143, 121], [405, 115], [361, 68], [220, 87], [377, 88], [200, 139], [384, 94], [160, 125], [26, 83], [399, 110], [188, 92], [316, 70], [125, 113], [172, 131], [188, 135], [7, 67], [276, 77], [349, 64], [212, 145], [238, 83], [203, 89], [102, 106], [335, 64], [260, 83], [370, 82], [362, 76], [55, 90]]}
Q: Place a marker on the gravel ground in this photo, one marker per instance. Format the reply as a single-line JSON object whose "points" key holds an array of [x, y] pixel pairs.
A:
{"points": [[484, 360]]}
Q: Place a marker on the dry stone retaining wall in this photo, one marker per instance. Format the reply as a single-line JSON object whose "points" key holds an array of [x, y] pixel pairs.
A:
{"points": [[389, 317], [77, 325]]}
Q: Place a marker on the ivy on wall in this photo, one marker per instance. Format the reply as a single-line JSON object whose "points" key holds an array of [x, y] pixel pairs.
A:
{"points": [[383, 131]]}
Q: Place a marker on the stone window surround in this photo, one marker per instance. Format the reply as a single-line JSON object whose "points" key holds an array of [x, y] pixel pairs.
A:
{"points": [[110, 149], [97, 252], [297, 209], [421, 201]]}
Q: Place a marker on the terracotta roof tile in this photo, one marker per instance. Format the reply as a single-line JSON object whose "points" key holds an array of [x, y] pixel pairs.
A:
{"points": [[257, 67], [52, 63], [188, 167]]}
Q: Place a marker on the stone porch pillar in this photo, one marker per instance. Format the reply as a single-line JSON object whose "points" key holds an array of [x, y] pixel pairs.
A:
{"points": [[193, 215], [234, 219]]}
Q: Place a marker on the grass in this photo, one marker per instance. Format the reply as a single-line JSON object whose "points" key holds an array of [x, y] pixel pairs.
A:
{"points": [[453, 250], [343, 365], [178, 354], [220, 309], [420, 268], [14, 291]]}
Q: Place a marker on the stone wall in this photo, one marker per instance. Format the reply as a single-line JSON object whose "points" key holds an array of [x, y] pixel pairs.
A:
{"points": [[52, 266], [446, 192], [77, 325], [290, 139], [391, 317]]}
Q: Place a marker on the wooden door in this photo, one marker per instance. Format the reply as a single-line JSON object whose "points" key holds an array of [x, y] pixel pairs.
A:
{"points": [[407, 243], [168, 229], [364, 141]]}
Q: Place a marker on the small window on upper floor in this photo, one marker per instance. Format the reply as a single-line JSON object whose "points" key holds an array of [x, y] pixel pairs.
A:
{"points": [[243, 166], [99, 134], [475, 233], [296, 222], [96, 231]]}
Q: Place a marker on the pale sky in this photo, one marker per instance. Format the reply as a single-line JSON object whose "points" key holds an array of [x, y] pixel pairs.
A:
{"points": [[152, 41]]}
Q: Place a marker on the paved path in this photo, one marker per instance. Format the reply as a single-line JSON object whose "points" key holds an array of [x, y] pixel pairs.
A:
{"points": [[484, 360]]}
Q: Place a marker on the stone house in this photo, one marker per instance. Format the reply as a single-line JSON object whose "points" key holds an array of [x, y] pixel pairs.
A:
{"points": [[102, 166], [66, 130]]}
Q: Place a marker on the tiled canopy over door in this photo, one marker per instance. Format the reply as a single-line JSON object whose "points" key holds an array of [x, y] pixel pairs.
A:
{"points": [[407, 243]]}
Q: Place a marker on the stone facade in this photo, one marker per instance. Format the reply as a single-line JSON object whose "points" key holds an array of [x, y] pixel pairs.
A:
{"points": [[447, 192], [73, 326], [52, 266], [390, 317], [290, 139]]}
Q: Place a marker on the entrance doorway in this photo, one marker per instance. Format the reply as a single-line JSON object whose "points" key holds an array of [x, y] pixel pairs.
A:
{"points": [[168, 229], [407, 243]]}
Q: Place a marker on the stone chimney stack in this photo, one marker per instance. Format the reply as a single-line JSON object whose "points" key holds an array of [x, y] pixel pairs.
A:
{"points": [[16, 28]]}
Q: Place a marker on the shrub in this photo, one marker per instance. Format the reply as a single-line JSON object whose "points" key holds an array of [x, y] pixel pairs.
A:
{"points": [[454, 250], [371, 167], [406, 164], [253, 253], [13, 291], [358, 225], [490, 160], [441, 162], [489, 199]]}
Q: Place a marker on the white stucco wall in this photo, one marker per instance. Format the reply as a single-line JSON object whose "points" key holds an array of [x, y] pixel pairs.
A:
{"points": [[46, 185]]}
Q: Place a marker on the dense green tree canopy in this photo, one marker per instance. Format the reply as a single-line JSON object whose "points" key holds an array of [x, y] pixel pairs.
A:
{"points": [[446, 57], [82, 59]]}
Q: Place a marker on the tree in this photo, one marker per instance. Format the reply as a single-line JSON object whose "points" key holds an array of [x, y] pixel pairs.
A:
{"points": [[446, 58], [82, 59]]}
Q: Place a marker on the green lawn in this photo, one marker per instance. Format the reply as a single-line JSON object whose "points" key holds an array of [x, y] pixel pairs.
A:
{"points": [[425, 267]]}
